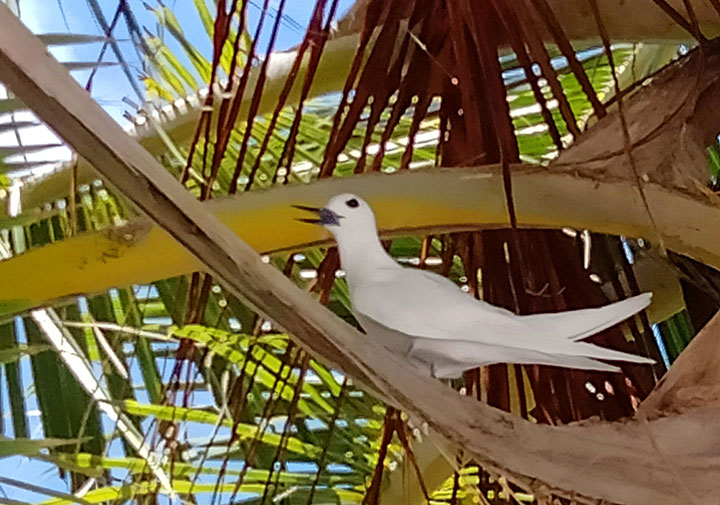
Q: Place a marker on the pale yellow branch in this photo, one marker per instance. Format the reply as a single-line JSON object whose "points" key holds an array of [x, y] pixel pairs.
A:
{"points": [[626, 21], [405, 203]]}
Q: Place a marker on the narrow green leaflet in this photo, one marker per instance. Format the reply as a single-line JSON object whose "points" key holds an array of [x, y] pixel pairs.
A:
{"points": [[244, 430], [234, 348], [13, 354], [68, 39], [28, 447], [95, 466], [130, 491]]}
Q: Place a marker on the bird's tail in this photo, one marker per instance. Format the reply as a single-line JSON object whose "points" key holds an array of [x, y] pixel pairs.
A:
{"points": [[449, 358], [587, 350], [454, 370], [581, 356], [579, 324]]}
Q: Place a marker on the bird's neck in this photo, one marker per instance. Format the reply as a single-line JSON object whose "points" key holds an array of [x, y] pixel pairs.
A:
{"points": [[362, 256]]}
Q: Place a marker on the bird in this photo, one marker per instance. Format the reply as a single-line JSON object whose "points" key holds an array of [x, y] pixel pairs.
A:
{"points": [[443, 331]]}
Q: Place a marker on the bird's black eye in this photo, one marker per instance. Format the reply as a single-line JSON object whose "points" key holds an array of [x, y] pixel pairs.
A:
{"points": [[352, 203]]}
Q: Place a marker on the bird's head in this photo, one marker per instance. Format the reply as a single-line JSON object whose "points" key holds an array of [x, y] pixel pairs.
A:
{"points": [[343, 215]]}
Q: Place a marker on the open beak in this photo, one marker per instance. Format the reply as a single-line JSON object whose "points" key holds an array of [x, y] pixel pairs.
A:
{"points": [[325, 217]]}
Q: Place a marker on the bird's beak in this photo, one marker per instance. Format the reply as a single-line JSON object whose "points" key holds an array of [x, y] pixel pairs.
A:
{"points": [[326, 217]]}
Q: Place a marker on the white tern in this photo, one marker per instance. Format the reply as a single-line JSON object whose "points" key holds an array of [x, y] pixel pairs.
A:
{"points": [[444, 331]]}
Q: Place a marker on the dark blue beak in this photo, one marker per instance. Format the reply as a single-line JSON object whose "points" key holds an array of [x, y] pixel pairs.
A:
{"points": [[326, 217]]}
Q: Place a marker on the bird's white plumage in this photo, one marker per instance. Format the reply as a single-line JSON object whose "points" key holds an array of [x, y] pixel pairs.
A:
{"points": [[444, 330]]}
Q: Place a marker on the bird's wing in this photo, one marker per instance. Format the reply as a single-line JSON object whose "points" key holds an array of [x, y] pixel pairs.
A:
{"points": [[423, 304], [451, 329]]}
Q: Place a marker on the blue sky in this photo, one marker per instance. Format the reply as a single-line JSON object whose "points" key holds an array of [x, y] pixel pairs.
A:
{"points": [[110, 84], [109, 88]]}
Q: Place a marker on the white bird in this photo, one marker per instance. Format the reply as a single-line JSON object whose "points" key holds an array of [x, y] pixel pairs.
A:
{"points": [[444, 331]]}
